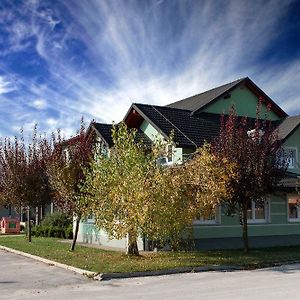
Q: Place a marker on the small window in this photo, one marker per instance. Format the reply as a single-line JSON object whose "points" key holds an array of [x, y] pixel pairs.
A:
{"points": [[67, 155], [212, 219], [90, 219], [293, 209], [257, 211], [167, 156]]}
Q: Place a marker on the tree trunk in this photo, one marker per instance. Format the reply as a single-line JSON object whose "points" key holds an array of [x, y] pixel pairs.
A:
{"points": [[28, 225], [37, 216], [78, 218], [132, 247], [21, 214], [245, 229]]}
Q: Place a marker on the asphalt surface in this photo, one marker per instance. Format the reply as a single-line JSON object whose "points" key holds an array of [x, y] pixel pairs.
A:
{"points": [[24, 278]]}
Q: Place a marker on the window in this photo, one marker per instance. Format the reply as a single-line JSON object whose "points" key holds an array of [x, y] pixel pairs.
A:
{"points": [[290, 154], [167, 158], [258, 211], [252, 134], [209, 220], [90, 219], [67, 155], [293, 208]]}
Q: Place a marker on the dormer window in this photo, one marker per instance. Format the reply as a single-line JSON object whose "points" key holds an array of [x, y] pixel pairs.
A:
{"points": [[167, 158], [291, 154]]}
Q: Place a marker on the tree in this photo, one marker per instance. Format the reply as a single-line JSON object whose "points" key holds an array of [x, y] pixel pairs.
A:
{"points": [[254, 149], [208, 179], [66, 173], [130, 195], [24, 181]]}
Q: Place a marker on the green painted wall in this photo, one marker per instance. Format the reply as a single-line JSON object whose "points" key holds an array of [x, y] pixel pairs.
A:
{"points": [[294, 141], [150, 131], [230, 227], [245, 103]]}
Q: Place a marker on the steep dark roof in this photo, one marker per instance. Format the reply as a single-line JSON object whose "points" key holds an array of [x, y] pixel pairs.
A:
{"points": [[189, 130], [196, 102], [288, 126], [104, 130]]}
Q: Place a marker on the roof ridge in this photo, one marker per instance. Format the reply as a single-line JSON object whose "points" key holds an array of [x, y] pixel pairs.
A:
{"points": [[295, 116], [162, 106], [212, 89], [103, 123], [174, 126]]}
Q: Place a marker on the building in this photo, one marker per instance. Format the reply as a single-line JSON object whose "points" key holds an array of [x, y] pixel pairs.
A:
{"points": [[197, 119]]}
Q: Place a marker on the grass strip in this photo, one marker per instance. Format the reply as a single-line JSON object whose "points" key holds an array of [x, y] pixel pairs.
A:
{"points": [[102, 261]]}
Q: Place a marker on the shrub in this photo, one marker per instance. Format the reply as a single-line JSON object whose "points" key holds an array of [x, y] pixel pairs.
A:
{"points": [[56, 232], [57, 225], [58, 219], [69, 232], [33, 231]]}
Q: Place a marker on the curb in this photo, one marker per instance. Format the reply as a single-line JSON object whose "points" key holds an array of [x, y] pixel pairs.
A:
{"points": [[50, 262], [108, 276], [124, 275]]}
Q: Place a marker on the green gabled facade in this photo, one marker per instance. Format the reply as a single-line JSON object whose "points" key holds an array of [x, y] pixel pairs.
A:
{"points": [[197, 119]]}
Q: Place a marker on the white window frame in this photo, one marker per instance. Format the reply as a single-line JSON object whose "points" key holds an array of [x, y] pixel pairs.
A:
{"points": [[292, 220], [267, 218], [67, 155], [215, 221], [90, 219], [166, 156], [295, 165]]}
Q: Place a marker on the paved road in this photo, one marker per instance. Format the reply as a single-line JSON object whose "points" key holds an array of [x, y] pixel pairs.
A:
{"points": [[23, 278]]}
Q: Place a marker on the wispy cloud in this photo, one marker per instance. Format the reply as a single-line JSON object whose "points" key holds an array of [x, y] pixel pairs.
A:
{"points": [[5, 85], [95, 58], [39, 104]]}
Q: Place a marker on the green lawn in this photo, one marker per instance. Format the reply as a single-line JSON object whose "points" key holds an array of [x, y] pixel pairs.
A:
{"points": [[108, 261]]}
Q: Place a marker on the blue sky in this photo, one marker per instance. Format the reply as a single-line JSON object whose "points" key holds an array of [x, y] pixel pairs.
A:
{"points": [[60, 60]]}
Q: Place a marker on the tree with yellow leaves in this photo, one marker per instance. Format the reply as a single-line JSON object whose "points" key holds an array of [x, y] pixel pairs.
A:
{"points": [[130, 195], [208, 179]]}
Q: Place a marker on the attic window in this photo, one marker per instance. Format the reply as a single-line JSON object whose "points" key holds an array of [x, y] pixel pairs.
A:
{"points": [[167, 156], [291, 154]]}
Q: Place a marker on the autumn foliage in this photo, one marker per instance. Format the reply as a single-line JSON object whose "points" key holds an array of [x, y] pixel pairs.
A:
{"points": [[23, 178], [65, 170], [253, 148], [131, 196]]}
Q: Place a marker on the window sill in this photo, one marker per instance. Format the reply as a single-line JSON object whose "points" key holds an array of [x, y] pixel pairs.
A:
{"points": [[294, 220], [206, 223], [250, 222]]}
